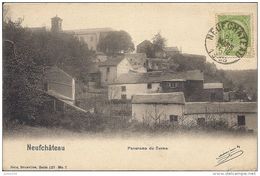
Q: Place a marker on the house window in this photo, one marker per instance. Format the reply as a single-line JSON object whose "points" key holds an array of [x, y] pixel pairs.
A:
{"points": [[241, 120], [173, 85], [149, 85], [173, 118], [108, 69], [201, 121], [123, 96], [123, 88]]}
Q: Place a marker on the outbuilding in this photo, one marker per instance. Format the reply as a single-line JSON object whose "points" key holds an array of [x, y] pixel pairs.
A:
{"points": [[224, 114], [158, 107]]}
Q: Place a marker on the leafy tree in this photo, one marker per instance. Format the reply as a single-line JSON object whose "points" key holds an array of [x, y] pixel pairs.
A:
{"points": [[159, 42], [21, 74], [25, 57], [116, 42], [150, 48], [6, 13]]}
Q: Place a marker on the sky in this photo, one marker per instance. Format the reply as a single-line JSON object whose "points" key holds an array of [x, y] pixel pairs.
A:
{"points": [[184, 25]]}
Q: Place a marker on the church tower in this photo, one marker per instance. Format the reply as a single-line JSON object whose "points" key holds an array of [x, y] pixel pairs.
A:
{"points": [[56, 24]]}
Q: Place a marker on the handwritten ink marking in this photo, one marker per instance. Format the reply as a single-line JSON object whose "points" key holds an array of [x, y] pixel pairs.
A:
{"points": [[229, 155]]}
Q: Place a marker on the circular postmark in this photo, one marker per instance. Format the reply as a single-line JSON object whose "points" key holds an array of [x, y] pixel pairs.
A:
{"points": [[227, 42]]}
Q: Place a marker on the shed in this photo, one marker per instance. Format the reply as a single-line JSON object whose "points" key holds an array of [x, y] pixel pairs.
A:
{"points": [[158, 107], [233, 114]]}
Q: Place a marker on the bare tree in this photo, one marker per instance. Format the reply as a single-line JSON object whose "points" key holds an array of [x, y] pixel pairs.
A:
{"points": [[6, 13], [154, 115]]}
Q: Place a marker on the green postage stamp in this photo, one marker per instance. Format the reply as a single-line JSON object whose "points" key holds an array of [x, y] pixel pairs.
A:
{"points": [[231, 38]]}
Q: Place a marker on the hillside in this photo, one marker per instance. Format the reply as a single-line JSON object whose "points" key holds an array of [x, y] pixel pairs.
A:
{"points": [[245, 78]]}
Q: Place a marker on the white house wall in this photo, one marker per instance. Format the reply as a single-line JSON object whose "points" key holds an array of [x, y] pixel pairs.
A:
{"points": [[123, 67], [108, 77], [115, 91], [146, 113]]}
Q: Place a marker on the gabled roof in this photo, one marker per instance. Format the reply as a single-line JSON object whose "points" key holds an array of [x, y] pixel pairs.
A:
{"points": [[112, 61], [159, 98], [220, 107], [133, 58], [213, 85], [157, 76], [50, 69], [144, 43]]}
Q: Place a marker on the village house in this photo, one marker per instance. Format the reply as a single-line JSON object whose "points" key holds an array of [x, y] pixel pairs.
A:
{"points": [[146, 46], [60, 87], [233, 115], [115, 66], [158, 107], [171, 109], [127, 85], [157, 64], [167, 52], [60, 84], [213, 92], [94, 75]]}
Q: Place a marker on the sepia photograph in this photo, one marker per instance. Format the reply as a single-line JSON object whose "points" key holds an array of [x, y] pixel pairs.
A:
{"points": [[129, 87]]}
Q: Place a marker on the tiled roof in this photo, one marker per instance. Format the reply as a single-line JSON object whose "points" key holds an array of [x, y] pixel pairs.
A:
{"points": [[113, 61], [50, 69], [213, 85], [133, 58], [159, 98], [150, 77], [220, 107]]}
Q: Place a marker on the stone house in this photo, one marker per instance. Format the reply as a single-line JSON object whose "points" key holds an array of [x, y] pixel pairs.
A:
{"points": [[127, 85], [230, 114], [167, 52], [171, 109], [157, 64], [115, 66]]}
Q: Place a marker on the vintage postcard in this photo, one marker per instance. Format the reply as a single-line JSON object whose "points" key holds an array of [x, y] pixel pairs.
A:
{"points": [[129, 86]]}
